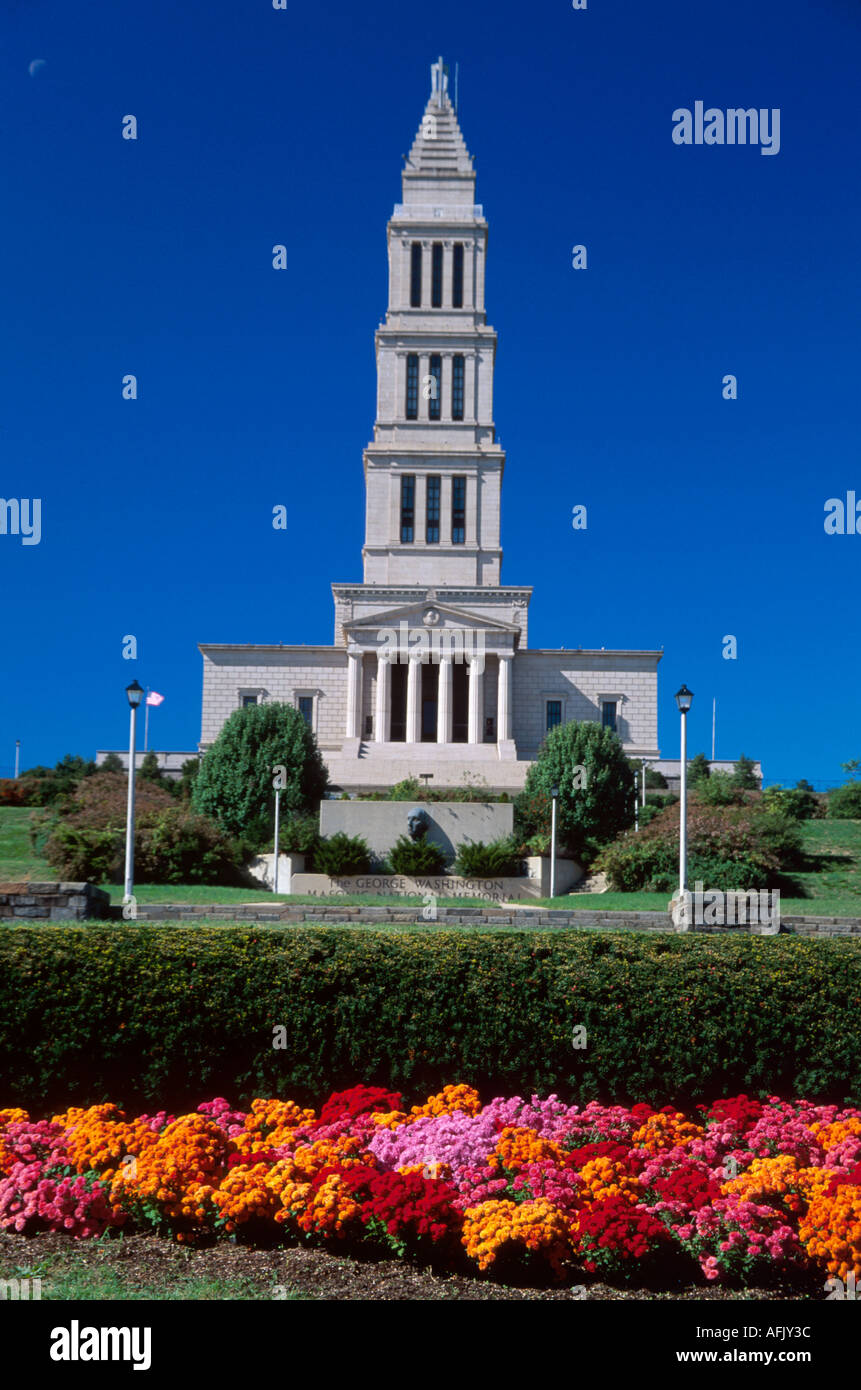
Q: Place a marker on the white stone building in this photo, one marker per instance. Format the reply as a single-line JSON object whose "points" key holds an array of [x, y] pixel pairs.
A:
{"points": [[430, 670]]}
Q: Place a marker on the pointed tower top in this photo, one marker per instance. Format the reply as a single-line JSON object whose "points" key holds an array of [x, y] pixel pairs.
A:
{"points": [[438, 154]]}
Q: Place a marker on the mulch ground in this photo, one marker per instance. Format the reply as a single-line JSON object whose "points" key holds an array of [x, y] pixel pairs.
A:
{"points": [[147, 1260]]}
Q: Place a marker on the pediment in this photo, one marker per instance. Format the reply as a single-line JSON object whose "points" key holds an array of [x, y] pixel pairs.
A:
{"points": [[430, 616]]}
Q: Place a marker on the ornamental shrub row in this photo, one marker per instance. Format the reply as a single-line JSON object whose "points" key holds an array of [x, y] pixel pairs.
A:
{"points": [[156, 1016]]}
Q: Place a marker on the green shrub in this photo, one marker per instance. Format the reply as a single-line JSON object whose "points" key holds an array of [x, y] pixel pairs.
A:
{"points": [[235, 781], [299, 835], [596, 811], [728, 847], [341, 856], [410, 857], [84, 839], [844, 803], [498, 859], [163, 1016], [411, 789], [796, 803], [654, 779], [112, 763], [719, 789], [52, 785]]}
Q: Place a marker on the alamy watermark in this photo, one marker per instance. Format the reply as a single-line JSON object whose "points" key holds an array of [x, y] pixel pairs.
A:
{"points": [[21, 518], [735, 126], [402, 644], [754, 907]]}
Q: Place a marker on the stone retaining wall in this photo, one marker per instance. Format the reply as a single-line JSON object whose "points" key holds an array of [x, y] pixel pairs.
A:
{"points": [[501, 914], [56, 902]]}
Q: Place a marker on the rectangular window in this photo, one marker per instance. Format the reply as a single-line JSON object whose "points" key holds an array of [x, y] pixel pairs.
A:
{"points": [[457, 276], [433, 495], [408, 504], [554, 713], [306, 709], [412, 386], [435, 398], [416, 275], [458, 511], [436, 275], [457, 387], [608, 714], [249, 700]]}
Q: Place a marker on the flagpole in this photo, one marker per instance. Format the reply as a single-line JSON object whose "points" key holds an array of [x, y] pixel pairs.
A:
{"points": [[146, 720]]}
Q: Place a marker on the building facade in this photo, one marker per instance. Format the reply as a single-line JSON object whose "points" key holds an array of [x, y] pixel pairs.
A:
{"points": [[430, 671]]}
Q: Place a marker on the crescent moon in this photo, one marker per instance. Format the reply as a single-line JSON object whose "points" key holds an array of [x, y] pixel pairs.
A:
{"points": [[34, 67]]}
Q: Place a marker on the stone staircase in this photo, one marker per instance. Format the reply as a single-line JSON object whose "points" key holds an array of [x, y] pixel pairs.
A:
{"points": [[595, 883]]}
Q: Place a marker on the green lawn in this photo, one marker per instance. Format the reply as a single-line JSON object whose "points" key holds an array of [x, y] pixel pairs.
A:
{"points": [[828, 886]]}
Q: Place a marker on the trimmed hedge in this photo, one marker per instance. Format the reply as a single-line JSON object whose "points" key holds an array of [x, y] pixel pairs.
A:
{"points": [[158, 1016]]}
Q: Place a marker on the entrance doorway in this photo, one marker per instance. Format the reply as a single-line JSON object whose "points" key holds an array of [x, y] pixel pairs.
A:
{"points": [[430, 692]]}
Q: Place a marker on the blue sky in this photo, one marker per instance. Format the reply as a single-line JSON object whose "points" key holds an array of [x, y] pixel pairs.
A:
{"points": [[256, 387]]}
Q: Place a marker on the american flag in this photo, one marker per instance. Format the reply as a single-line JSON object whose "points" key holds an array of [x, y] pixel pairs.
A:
{"points": [[153, 698]]}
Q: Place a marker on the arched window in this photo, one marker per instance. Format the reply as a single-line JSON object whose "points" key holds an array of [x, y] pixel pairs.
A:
{"points": [[457, 387], [412, 402], [457, 276], [416, 275], [435, 398], [436, 275]]}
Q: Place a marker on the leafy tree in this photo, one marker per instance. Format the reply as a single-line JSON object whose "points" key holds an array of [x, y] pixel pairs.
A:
{"points": [[235, 781], [654, 779], [188, 776], [602, 804], [745, 776], [851, 767], [698, 769], [113, 763]]}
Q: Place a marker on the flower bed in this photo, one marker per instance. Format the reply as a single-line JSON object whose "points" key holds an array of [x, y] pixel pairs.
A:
{"points": [[741, 1189]]}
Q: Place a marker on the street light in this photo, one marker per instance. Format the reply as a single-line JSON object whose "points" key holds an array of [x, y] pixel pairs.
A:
{"points": [[554, 792], [134, 692], [684, 698]]}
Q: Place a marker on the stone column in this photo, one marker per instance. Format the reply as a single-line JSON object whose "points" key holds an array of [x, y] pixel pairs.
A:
{"points": [[414, 679], [354, 691], [503, 698], [476, 700], [383, 711], [444, 706]]}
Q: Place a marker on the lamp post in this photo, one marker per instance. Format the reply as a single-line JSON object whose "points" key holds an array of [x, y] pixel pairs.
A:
{"points": [[684, 698], [17, 755], [277, 824], [134, 693], [554, 792]]}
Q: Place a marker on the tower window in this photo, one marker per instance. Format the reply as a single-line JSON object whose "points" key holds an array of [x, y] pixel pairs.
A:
{"points": [[435, 398], [458, 511], [608, 714], [436, 275], [306, 709], [408, 504], [457, 387], [457, 276], [554, 713], [432, 526], [416, 275], [412, 386]]}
